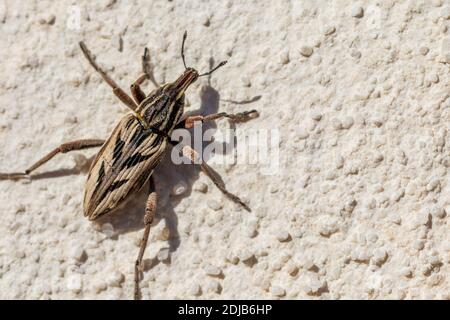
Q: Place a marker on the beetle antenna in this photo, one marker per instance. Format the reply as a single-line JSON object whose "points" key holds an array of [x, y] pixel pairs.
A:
{"points": [[214, 69], [182, 48]]}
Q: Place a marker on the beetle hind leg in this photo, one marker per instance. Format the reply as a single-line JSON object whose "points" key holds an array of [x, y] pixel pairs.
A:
{"points": [[150, 210], [63, 148]]}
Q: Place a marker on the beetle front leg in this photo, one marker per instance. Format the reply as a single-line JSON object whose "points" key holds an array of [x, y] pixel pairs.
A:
{"points": [[237, 117], [147, 68], [136, 90], [119, 92], [64, 148], [150, 210]]}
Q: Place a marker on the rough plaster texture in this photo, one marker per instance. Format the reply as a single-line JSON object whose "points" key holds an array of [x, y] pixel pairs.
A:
{"points": [[360, 205]]}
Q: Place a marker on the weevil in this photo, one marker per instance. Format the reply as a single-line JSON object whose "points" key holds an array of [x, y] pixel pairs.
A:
{"points": [[128, 158]]}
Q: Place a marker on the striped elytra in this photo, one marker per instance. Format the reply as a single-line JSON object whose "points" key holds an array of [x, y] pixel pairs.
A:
{"points": [[129, 156]]}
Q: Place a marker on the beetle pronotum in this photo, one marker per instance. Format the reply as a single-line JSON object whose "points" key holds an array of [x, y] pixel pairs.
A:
{"points": [[127, 159]]}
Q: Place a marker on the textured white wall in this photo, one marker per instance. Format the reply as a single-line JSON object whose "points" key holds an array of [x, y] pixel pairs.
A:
{"points": [[358, 208]]}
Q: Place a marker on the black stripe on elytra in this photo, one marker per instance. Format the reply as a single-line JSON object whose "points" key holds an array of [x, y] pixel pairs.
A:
{"points": [[101, 172], [115, 185], [136, 136], [118, 148], [130, 122], [139, 136], [134, 160]]}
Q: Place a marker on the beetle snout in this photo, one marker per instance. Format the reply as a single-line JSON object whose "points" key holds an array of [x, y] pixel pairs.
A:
{"points": [[188, 77]]}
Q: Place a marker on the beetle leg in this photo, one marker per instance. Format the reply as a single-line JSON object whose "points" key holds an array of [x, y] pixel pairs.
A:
{"points": [[215, 178], [64, 148], [237, 117], [147, 68], [122, 95], [210, 173], [150, 210], [136, 90]]}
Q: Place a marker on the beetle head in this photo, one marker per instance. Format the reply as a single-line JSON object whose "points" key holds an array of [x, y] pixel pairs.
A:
{"points": [[165, 108]]}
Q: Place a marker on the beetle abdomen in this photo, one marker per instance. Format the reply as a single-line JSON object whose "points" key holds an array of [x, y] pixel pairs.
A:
{"points": [[123, 165]]}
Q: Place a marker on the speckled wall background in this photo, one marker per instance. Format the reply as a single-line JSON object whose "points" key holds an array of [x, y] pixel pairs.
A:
{"points": [[359, 207]]}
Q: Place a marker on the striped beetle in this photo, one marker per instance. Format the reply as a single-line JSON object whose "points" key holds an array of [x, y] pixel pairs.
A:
{"points": [[127, 159]]}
